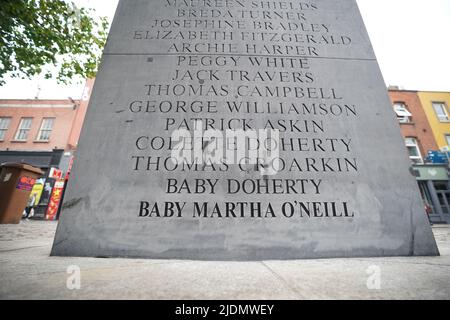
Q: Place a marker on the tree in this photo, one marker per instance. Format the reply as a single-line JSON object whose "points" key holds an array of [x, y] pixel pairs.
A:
{"points": [[39, 36]]}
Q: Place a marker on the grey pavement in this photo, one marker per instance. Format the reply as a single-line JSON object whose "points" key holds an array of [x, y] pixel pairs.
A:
{"points": [[28, 272]]}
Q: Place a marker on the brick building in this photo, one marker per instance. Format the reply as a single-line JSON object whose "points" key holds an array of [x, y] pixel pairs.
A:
{"points": [[420, 139], [43, 133], [436, 107], [414, 123]]}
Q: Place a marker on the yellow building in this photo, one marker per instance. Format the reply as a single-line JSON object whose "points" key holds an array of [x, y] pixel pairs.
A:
{"points": [[436, 106]]}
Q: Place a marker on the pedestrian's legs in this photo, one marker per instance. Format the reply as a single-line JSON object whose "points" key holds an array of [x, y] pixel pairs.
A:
{"points": [[28, 211]]}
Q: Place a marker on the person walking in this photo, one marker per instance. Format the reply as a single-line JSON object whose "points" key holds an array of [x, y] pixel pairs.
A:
{"points": [[29, 211]]}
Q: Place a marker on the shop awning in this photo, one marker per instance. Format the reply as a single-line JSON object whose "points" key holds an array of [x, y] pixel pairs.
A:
{"points": [[40, 159]]}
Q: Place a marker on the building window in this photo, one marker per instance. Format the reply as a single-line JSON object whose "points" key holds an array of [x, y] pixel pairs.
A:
{"points": [[24, 129], [46, 129], [448, 139], [413, 150], [403, 115], [4, 125], [441, 111]]}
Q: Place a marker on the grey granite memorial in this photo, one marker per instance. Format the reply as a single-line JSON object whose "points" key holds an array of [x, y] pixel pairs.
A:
{"points": [[184, 85]]}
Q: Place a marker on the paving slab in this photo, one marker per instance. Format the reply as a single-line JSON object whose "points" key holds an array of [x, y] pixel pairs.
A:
{"points": [[28, 272]]}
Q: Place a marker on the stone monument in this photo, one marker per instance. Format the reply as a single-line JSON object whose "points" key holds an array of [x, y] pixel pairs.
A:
{"points": [[241, 130]]}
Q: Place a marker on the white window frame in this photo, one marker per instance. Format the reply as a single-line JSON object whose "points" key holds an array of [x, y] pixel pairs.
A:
{"points": [[412, 142], [403, 115], [5, 122], [447, 138], [22, 128], [441, 118], [44, 128]]}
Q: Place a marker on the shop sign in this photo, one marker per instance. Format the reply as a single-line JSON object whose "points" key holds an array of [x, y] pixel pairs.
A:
{"points": [[438, 157], [55, 173], [69, 170], [55, 200], [434, 173], [37, 192]]}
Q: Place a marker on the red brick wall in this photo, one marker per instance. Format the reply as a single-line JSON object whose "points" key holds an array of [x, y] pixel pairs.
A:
{"points": [[63, 111], [420, 127], [81, 114]]}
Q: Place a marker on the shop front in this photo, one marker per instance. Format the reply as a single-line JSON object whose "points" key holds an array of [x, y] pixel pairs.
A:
{"points": [[46, 193], [435, 189]]}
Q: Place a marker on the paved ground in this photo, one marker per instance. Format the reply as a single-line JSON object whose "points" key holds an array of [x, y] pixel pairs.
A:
{"points": [[27, 272]]}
